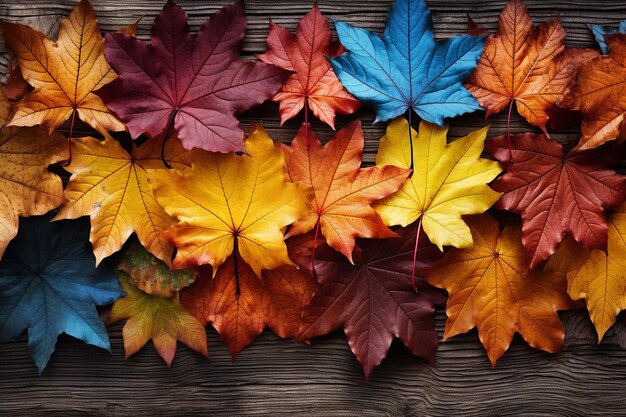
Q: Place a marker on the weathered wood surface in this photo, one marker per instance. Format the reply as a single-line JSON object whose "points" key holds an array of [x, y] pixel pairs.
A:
{"points": [[279, 377]]}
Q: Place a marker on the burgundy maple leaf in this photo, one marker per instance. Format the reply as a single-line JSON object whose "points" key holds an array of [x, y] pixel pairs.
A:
{"points": [[373, 300], [191, 83]]}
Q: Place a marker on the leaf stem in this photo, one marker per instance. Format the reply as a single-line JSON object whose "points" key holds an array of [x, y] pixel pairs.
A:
{"points": [[69, 139], [508, 133], [306, 118], [417, 239], [236, 263], [411, 141], [166, 136], [317, 231]]}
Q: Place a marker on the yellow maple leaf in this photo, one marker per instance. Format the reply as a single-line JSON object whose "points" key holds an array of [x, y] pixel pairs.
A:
{"points": [[162, 319], [448, 181], [64, 73], [27, 188], [596, 276], [113, 188], [227, 202]]}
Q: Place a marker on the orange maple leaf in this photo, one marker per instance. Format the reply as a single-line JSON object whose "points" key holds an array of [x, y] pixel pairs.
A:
{"points": [[240, 304], [526, 65], [599, 95], [342, 190], [64, 73], [490, 287], [314, 83]]}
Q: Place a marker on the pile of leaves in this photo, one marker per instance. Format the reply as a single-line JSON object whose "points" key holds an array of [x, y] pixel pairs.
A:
{"points": [[193, 222]]}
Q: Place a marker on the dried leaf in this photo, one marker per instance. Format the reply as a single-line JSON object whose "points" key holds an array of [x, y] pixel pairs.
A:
{"points": [[164, 320], [241, 307], [406, 68], [27, 188], [373, 300]]}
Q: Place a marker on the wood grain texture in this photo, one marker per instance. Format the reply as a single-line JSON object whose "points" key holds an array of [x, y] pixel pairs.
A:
{"points": [[276, 377]]}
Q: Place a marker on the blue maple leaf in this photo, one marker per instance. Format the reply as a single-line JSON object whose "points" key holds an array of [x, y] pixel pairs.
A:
{"points": [[407, 68], [49, 285], [599, 31]]}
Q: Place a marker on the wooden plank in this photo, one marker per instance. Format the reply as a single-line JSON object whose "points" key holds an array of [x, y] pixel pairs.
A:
{"points": [[280, 377]]}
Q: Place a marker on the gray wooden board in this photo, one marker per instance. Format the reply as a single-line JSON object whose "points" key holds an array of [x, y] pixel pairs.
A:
{"points": [[279, 377]]}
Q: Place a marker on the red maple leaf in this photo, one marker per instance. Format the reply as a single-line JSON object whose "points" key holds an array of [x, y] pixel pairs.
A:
{"points": [[556, 192], [314, 83], [191, 83], [240, 304]]}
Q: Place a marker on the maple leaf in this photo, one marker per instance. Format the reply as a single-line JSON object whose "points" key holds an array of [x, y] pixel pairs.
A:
{"points": [[449, 180], [372, 300], [526, 65], [229, 203], [113, 188], [556, 192], [151, 275], [596, 276], [407, 69], [599, 95], [314, 83], [600, 31], [27, 188], [191, 83], [343, 191], [239, 304], [490, 287], [48, 285], [162, 319], [64, 73]]}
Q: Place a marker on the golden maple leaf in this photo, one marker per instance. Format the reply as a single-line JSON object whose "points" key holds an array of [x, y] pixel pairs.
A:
{"points": [[27, 188], [490, 287], [448, 181], [227, 202], [64, 73], [598, 277], [113, 188]]}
